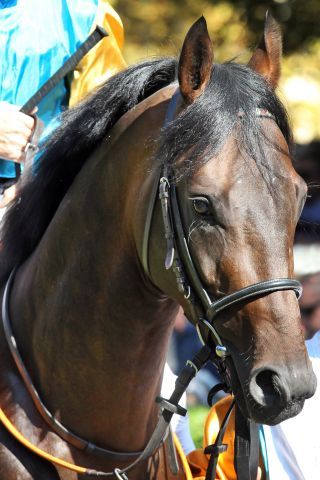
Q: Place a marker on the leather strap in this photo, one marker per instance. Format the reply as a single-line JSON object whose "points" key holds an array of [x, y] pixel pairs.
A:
{"points": [[169, 407], [152, 202], [250, 293], [218, 447], [246, 447]]}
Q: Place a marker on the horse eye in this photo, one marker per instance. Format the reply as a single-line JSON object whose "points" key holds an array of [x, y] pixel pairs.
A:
{"points": [[201, 205]]}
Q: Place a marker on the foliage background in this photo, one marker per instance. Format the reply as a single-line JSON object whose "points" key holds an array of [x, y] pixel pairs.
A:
{"points": [[157, 27]]}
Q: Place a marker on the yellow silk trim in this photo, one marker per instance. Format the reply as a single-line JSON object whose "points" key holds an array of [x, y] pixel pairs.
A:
{"points": [[104, 60]]}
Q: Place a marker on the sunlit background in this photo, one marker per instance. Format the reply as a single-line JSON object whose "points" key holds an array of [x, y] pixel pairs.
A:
{"points": [[157, 27]]}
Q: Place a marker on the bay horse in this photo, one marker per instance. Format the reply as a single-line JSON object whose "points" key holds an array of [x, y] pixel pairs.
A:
{"points": [[92, 305]]}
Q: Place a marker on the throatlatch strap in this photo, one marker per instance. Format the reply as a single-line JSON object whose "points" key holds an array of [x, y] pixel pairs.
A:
{"points": [[246, 449], [188, 372]]}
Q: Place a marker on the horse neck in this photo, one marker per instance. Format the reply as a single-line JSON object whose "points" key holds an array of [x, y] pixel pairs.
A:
{"points": [[84, 302]]}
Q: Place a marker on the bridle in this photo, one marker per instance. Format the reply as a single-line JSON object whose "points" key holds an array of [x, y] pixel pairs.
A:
{"points": [[203, 311]]}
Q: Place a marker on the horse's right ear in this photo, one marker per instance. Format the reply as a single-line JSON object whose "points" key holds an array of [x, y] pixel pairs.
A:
{"points": [[195, 62]]}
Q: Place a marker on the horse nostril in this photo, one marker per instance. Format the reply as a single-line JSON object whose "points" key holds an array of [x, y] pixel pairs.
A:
{"points": [[268, 389]]}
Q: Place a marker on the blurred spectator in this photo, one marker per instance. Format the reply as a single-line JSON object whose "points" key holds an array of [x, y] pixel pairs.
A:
{"points": [[307, 164], [310, 304], [293, 446]]}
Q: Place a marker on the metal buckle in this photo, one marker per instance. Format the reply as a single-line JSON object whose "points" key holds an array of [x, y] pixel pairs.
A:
{"points": [[212, 330], [192, 365], [164, 187], [220, 350], [119, 474]]}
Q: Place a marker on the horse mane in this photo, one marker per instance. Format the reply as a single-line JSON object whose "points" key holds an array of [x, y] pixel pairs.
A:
{"points": [[199, 132], [68, 148]]}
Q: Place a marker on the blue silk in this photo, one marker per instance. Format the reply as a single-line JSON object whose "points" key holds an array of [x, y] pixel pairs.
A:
{"points": [[36, 38]]}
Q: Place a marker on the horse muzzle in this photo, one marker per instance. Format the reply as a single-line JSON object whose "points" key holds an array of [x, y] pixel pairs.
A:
{"points": [[273, 393]]}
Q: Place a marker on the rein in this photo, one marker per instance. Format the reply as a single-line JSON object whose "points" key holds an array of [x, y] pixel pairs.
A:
{"points": [[203, 312], [168, 408]]}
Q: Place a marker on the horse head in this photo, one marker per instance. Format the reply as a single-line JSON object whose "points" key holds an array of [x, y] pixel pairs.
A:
{"points": [[227, 149]]}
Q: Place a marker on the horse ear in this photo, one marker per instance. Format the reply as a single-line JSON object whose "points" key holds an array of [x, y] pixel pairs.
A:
{"points": [[195, 62], [266, 59]]}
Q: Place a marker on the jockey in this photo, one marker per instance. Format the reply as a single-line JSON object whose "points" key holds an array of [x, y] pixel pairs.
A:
{"points": [[36, 39]]}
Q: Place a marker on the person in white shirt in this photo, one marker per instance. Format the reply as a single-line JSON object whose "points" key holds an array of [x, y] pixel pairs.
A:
{"points": [[293, 447], [179, 424]]}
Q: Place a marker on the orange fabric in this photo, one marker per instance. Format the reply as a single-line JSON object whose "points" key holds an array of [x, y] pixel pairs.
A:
{"points": [[183, 458], [198, 461]]}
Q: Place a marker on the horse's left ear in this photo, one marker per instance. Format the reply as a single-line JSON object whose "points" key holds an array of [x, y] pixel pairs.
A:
{"points": [[266, 60], [195, 62]]}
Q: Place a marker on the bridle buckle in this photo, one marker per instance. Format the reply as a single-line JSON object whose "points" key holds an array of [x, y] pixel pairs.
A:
{"points": [[119, 474]]}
